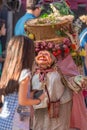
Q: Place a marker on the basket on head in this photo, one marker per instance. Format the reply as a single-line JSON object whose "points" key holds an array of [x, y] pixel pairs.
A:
{"points": [[44, 31]]}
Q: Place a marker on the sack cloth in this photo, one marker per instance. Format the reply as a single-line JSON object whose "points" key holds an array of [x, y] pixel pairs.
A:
{"points": [[53, 106], [73, 85]]}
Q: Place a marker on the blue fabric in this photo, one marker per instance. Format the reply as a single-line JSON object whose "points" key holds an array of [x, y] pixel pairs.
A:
{"points": [[83, 38], [19, 28], [8, 111], [83, 41]]}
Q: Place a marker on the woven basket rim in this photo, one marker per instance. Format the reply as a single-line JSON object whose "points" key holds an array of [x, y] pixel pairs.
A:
{"points": [[45, 25]]}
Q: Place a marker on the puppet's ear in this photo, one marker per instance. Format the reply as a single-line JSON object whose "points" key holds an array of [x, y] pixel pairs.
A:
{"points": [[13, 5]]}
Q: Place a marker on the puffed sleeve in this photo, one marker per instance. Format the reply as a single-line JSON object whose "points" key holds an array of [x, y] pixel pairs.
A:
{"points": [[25, 73]]}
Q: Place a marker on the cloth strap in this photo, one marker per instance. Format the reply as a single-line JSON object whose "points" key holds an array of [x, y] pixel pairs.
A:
{"points": [[49, 96]]}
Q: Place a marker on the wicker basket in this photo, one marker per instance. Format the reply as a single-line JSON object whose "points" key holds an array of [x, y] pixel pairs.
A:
{"points": [[45, 31]]}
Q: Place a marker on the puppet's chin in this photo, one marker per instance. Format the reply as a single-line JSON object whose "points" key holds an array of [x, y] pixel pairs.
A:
{"points": [[44, 66]]}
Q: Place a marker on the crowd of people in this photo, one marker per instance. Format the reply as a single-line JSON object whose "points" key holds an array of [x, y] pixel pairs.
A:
{"points": [[34, 93]]}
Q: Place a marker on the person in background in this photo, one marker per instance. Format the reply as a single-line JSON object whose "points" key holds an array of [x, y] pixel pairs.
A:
{"points": [[33, 10], [15, 85], [50, 114], [2, 33]]}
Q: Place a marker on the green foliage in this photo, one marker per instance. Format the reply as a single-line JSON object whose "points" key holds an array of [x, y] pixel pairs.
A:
{"points": [[78, 60], [45, 15], [63, 8], [60, 33]]}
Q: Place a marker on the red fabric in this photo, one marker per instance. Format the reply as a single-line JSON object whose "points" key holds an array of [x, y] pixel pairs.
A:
{"points": [[79, 112], [85, 93], [68, 66], [74, 3], [42, 72]]}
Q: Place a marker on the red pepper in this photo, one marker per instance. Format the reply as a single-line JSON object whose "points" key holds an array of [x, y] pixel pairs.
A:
{"points": [[74, 34], [55, 53], [58, 52], [67, 50], [73, 46]]}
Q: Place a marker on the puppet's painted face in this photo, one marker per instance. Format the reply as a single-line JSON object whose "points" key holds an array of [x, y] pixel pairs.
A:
{"points": [[44, 59]]}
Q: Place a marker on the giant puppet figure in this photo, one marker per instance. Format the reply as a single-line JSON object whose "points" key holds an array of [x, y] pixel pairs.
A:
{"points": [[48, 78], [55, 111]]}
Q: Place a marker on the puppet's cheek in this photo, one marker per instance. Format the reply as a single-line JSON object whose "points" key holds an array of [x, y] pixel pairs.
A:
{"points": [[50, 61]]}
